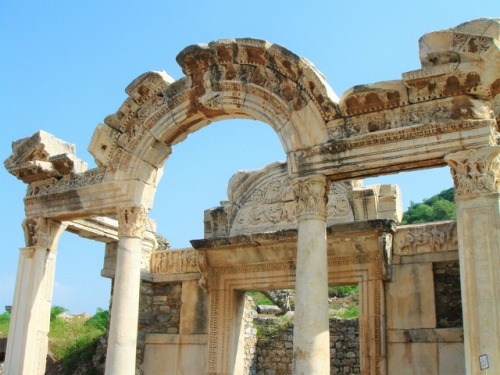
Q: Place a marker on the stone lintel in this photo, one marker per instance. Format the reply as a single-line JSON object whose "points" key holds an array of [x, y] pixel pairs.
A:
{"points": [[291, 234], [344, 240], [105, 229], [426, 258], [93, 200], [425, 335], [379, 225], [392, 150], [170, 278]]}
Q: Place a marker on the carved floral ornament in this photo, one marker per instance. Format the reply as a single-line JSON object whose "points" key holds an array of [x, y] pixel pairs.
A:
{"points": [[475, 172], [310, 195], [131, 221]]}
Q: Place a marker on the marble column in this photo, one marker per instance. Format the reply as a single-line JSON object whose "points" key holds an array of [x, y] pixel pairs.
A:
{"points": [[311, 339], [476, 175], [30, 319], [122, 341]]}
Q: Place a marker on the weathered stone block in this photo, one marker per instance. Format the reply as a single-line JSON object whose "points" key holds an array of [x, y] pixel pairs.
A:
{"points": [[410, 297], [413, 359]]}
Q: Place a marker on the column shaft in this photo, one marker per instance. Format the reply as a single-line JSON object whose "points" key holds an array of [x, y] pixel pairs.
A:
{"points": [[475, 173], [122, 341], [30, 320], [311, 340]]}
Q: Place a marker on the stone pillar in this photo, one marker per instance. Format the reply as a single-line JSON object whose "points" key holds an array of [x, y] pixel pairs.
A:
{"points": [[30, 320], [122, 341], [477, 185], [311, 340]]}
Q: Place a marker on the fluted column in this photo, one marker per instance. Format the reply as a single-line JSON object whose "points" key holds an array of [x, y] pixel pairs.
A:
{"points": [[30, 320], [122, 341], [476, 175], [311, 340]]}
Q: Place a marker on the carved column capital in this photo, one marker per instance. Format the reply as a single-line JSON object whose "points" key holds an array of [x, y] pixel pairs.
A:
{"points": [[475, 172], [131, 221], [42, 232], [311, 197]]}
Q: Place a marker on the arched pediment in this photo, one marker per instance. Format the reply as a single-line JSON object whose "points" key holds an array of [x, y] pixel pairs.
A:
{"points": [[263, 201], [240, 78]]}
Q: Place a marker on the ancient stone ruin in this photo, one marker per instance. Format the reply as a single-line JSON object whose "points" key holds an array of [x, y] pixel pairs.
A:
{"points": [[304, 224]]}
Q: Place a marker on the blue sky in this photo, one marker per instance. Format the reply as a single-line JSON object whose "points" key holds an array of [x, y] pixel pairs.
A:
{"points": [[64, 66]]}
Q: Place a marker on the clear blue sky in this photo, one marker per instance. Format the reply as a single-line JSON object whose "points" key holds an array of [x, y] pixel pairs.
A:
{"points": [[64, 66]]}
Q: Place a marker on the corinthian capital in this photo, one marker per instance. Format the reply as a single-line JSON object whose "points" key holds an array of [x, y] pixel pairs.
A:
{"points": [[475, 172], [310, 195], [42, 232], [131, 221]]}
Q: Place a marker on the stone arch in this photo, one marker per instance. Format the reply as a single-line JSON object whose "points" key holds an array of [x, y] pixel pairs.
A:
{"points": [[240, 78]]}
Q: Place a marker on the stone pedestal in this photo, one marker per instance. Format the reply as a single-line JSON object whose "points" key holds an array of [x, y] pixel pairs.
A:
{"points": [[311, 345], [122, 341], [476, 177], [30, 320]]}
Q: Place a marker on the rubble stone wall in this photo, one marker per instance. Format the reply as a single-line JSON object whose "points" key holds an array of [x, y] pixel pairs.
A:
{"points": [[447, 294], [159, 312], [273, 355]]}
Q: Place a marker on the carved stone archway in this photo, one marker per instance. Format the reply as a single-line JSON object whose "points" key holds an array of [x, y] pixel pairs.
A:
{"points": [[241, 78], [445, 112]]}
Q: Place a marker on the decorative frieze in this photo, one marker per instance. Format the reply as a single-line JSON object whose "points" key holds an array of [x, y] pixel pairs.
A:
{"points": [[475, 172], [66, 183], [177, 261], [426, 238], [367, 139], [131, 221], [439, 116]]}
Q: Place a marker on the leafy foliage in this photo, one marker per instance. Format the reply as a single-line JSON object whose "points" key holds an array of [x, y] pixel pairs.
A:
{"points": [[74, 340], [348, 312], [4, 324], [344, 301], [56, 311], [438, 207], [99, 320], [343, 290], [259, 298]]}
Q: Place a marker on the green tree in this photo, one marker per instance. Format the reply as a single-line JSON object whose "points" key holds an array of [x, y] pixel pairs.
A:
{"points": [[436, 208]]}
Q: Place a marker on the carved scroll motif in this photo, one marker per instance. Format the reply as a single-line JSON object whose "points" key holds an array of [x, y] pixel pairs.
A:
{"points": [[131, 221], [42, 232], [339, 207], [475, 172], [310, 196], [269, 207]]}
